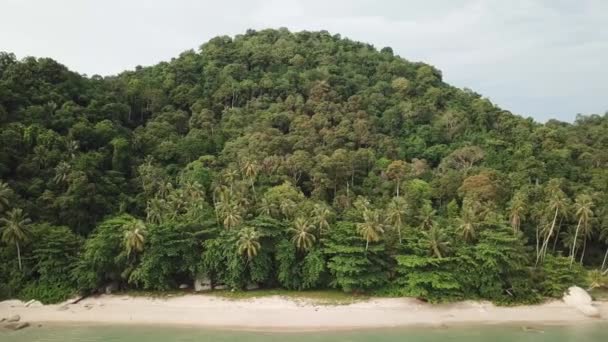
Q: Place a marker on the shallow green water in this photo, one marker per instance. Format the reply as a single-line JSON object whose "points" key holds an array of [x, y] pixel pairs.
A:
{"points": [[583, 333]]}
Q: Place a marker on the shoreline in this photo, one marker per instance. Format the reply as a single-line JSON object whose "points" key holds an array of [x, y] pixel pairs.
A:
{"points": [[280, 314]]}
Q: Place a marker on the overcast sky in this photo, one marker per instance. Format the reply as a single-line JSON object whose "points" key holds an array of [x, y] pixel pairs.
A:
{"points": [[544, 59]]}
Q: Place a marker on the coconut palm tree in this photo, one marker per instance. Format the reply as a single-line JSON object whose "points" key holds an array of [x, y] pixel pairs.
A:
{"points": [[604, 238], [266, 207], [249, 242], [558, 205], [62, 171], [134, 237], [320, 217], [232, 216], [303, 237], [437, 241], [427, 216], [16, 230], [395, 213], [155, 210], [288, 208], [5, 194], [517, 210], [372, 228], [583, 210], [250, 169], [467, 223]]}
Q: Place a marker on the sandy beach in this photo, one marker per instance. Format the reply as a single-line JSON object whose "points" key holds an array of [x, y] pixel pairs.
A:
{"points": [[280, 313]]}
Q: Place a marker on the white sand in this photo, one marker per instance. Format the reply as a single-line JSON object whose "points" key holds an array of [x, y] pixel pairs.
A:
{"points": [[278, 313]]}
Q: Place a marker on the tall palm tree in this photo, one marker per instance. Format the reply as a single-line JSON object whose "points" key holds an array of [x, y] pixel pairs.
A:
{"points": [[372, 228], [320, 217], [558, 205], [583, 210], [395, 213], [249, 242], [437, 241], [303, 237], [250, 170], [5, 194], [134, 238], [517, 210], [16, 229], [604, 238]]}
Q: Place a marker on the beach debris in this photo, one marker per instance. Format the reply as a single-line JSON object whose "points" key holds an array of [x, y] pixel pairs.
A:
{"points": [[183, 286], [578, 298], [33, 304], [17, 325], [2, 320], [88, 306], [13, 318], [220, 287], [63, 308]]}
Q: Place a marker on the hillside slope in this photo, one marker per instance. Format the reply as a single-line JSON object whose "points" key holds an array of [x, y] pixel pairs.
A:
{"points": [[298, 160]]}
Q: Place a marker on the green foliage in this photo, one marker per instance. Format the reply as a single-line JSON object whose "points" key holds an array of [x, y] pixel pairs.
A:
{"points": [[244, 161], [354, 267], [170, 256], [556, 275]]}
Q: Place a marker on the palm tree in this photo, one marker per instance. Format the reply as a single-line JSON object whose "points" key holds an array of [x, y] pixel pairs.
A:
{"points": [[232, 216], [230, 177], [62, 171], [16, 230], [134, 236], [249, 242], [582, 207], [303, 237], [320, 217], [558, 204], [371, 229], [5, 194], [155, 210], [266, 207], [517, 210], [395, 213], [437, 241], [604, 237], [250, 170], [288, 208], [467, 223], [427, 216]]}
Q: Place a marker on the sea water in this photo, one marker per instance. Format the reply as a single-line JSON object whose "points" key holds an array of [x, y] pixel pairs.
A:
{"points": [[587, 332]]}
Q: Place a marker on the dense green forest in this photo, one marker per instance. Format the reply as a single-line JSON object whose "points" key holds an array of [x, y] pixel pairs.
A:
{"points": [[293, 160]]}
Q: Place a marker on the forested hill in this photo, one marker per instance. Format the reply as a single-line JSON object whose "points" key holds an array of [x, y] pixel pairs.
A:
{"points": [[296, 160]]}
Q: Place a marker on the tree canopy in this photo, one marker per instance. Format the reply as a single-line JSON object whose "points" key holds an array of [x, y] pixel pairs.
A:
{"points": [[297, 160]]}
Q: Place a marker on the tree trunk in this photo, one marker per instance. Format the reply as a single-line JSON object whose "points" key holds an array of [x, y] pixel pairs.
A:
{"points": [[574, 242], [584, 248], [543, 249], [559, 228], [366, 244], [19, 255], [604, 262], [398, 186]]}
